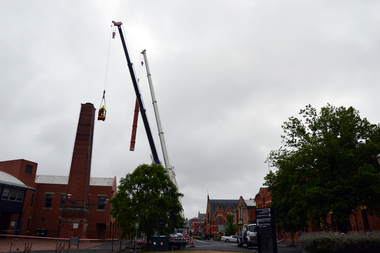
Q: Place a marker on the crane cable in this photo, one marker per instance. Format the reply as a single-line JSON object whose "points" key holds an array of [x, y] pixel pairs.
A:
{"points": [[102, 105]]}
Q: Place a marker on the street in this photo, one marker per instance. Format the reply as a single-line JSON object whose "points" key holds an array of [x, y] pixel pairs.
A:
{"points": [[223, 246]]}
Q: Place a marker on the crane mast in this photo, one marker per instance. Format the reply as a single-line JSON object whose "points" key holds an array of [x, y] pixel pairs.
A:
{"points": [[168, 166], [138, 95]]}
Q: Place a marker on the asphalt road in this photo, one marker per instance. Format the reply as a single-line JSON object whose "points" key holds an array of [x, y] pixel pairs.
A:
{"points": [[198, 245], [223, 246]]}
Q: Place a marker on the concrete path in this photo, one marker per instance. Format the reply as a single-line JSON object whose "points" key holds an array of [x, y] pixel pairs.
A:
{"points": [[103, 248]]}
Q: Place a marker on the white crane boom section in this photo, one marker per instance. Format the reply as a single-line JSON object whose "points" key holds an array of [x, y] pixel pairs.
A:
{"points": [[168, 166]]}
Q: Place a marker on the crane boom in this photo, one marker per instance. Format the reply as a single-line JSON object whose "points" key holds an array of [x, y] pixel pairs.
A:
{"points": [[168, 166], [134, 126], [138, 95]]}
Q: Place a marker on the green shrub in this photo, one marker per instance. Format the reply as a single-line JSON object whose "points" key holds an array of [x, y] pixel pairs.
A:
{"points": [[216, 239], [361, 242]]}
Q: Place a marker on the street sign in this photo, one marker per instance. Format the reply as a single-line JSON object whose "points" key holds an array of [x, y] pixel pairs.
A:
{"points": [[136, 226], [266, 230]]}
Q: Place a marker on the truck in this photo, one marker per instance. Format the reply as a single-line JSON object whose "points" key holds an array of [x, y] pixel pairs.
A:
{"points": [[249, 236], [180, 239]]}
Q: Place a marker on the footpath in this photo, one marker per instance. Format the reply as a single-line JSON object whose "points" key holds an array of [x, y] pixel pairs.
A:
{"points": [[102, 248]]}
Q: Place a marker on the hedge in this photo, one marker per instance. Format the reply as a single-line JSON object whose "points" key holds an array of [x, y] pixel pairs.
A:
{"points": [[359, 242]]}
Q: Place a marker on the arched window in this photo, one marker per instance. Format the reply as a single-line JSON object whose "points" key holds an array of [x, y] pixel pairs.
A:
{"points": [[220, 220]]}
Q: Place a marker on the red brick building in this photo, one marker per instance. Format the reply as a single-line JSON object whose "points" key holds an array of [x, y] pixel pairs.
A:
{"points": [[245, 213], [196, 224], [63, 206], [216, 213], [359, 219], [263, 198], [42, 210]]}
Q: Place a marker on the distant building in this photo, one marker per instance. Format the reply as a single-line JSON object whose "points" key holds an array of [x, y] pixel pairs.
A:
{"points": [[196, 224], [263, 198], [216, 213], [245, 214], [359, 221]]}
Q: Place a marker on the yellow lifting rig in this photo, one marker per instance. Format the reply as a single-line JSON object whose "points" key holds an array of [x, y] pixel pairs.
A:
{"points": [[102, 111]]}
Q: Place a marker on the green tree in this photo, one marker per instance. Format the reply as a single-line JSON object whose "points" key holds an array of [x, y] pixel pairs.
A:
{"points": [[230, 225], [150, 198], [327, 165]]}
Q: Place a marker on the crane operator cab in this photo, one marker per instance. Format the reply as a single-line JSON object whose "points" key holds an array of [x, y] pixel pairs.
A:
{"points": [[102, 110], [102, 113]]}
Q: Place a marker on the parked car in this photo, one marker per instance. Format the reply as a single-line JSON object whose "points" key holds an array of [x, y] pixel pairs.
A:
{"points": [[230, 238]]}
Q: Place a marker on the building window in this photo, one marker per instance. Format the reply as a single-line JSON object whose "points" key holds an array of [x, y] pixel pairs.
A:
{"points": [[220, 220], [28, 169], [6, 191], [101, 201], [48, 200], [13, 194], [20, 195], [63, 199]]}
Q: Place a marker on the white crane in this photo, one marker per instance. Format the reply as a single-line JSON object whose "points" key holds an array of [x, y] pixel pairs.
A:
{"points": [[168, 166]]}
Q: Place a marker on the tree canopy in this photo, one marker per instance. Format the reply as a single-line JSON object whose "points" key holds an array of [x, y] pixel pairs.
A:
{"points": [[150, 198], [230, 225], [327, 164]]}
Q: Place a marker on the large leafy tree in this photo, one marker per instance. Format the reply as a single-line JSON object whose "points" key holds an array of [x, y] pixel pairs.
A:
{"points": [[327, 165], [150, 198]]}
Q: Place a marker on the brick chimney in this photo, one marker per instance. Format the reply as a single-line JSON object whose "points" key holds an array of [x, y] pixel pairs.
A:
{"points": [[75, 213]]}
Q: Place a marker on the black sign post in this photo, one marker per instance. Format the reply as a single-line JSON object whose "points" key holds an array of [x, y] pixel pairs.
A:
{"points": [[266, 230]]}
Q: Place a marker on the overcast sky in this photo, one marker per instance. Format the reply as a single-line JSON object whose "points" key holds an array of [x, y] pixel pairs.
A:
{"points": [[226, 75]]}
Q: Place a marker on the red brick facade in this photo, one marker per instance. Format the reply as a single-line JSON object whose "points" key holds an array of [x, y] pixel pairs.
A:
{"points": [[196, 224], [263, 198], [37, 216], [82, 215], [216, 213], [75, 212], [245, 213], [26, 172], [359, 220]]}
